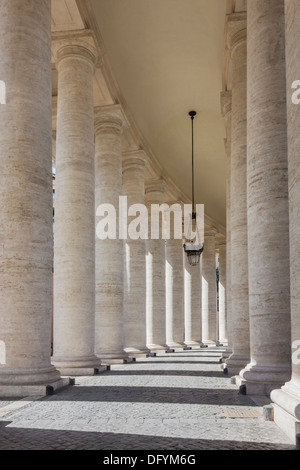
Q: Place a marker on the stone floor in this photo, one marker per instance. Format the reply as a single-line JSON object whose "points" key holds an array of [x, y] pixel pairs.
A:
{"points": [[177, 401]]}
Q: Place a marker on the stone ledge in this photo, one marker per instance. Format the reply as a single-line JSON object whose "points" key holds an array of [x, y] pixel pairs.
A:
{"points": [[40, 390]]}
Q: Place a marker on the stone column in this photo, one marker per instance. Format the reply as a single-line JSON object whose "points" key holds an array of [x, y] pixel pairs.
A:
{"points": [[237, 34], [287, 399], [174, 285], [74, 226], [268, 217], [155, 274], [134, 164], [26, 199], [109, 334], [226, 108], [192, 303], [222, 293], [209, 289]]}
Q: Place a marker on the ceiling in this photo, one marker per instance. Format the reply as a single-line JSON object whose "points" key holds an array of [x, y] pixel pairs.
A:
{"points": [[167, 59]]}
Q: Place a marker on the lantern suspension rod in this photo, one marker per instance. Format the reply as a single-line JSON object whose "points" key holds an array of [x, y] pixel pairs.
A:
{"points": [[192, 114]]}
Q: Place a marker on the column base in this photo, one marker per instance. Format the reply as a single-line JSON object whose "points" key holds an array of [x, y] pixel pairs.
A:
{"points": [[18, 391], [154, 348], [83, 371], [78, 366], [260, 380], [138, 352], [107, 358], [175, 345], [286, 402], [18, 376], [226, 354], [209, 343], [194, 344], [235, 363]]}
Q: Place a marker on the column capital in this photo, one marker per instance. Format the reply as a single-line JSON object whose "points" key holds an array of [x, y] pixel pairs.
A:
{"points": [[74, 43], [236, 28], [135, 159], [155, 186], [110, 119]]}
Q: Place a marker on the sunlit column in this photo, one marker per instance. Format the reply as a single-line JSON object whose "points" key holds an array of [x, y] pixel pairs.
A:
{"points": [[287, 399], [155, 273], [226, 108], [209, 289], [74, 226], [109, 321], [175, 280], [134, 164], [26, 235], [237, 43], [268, 213]]}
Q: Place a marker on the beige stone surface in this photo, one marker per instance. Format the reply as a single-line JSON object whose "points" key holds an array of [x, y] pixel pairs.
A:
{"points": [[287, 399], [209, 289], [26, 196], [226, 110], [109, 331], [155, 274], [238, 197], [268, 217], [192, 303], [134, 164], [74, 226], [222, 293], [174, 286]]}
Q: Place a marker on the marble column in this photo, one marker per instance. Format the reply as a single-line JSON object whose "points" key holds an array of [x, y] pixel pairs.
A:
{"points": [[155, 274], [26, 199], [209, 289], [174, 286], [134, 164], [192, 303], [109, 331], [226, 109], [287, 399], [268, 217], [222, 293], [74, 226], [237, 35]]}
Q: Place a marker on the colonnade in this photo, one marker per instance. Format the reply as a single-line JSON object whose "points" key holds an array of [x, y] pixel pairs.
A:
{"points": [[121, 298], [113, 299], [262, 203]]}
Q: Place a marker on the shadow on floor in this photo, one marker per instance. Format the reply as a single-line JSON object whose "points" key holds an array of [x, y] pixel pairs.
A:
{"points": [[168, 372], [49, 439], [146, 394]]}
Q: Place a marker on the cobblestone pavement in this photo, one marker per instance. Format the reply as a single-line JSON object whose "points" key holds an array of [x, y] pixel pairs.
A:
{"points": [[177, 400]]}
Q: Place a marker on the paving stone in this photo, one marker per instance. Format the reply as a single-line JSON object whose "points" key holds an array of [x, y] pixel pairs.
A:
{"points": [[174, 402]]}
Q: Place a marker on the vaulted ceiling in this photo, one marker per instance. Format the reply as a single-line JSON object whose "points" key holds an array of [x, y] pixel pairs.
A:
{"points": [[166, 57]]}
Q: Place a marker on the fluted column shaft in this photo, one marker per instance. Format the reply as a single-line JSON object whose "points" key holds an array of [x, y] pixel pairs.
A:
{"points": [[174, 289], [134, 164], [109, 331], [209, 289], [74, 226], [192, 303], [238, 213], [222, 294], [268, 217], [155, 275], [287, 399], [26, 195]]}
